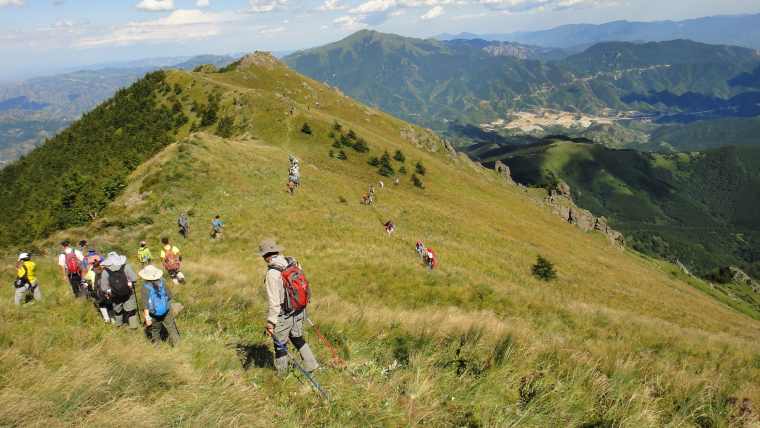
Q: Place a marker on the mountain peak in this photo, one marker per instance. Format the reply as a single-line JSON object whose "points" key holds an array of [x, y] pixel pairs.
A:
{"points": [[259, 59]]}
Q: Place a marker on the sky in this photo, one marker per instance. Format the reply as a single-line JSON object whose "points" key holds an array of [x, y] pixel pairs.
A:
{"points": [[47, 36]]}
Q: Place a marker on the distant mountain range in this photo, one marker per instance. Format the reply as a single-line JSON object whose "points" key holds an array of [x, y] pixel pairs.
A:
{"points": [[739, 30], [613, 85], [36, 109]]}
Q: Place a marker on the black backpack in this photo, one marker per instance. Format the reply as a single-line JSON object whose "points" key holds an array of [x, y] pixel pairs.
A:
{"points": [[120, 290]]}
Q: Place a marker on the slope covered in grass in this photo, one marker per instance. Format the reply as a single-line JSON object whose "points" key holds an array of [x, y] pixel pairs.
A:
{"points": [[616, 339]]}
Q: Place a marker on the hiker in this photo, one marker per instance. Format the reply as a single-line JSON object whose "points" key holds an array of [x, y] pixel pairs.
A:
{"points": [[389, 227], [144, 257], [157, 299], [184, 225], [216, 227], [420, 248], [26, 280], [396, 181], [294, 174], [100, 296], [286, 313], [83, 251], [117, 281], [172, 260], [371, 194], [381, 184], [70, 262], [430, 259]]}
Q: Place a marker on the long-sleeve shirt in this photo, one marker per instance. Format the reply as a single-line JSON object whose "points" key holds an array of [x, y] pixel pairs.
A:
{"points": [[105, 285], [27, 269], [274, 287]]}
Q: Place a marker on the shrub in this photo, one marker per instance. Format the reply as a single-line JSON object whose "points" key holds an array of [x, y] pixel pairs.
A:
{"points": [[361, 146], [336, 144], [306, 129], [399, 156], [417, 182], [225, 127], [386, 169], [402, 170], [420, 168], [352, 134], [342, 155], [337, 126], [374, 161], [543, 269]]}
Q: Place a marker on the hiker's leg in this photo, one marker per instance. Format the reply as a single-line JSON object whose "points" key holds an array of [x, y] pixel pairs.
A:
{"points": [[74, 283], [155, 330], [281, 336], [118, 314], [104, 313], [296, 336], [171, 328], [37, 293], [130, 312], [20, 295]]}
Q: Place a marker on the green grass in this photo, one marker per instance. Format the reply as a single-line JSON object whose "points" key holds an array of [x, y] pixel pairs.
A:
{"points": [[615, 340]]}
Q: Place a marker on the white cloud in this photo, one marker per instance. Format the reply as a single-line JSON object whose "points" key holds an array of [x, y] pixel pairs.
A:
{"points": [[270, 31], [182, 24], [516, 6], [435, 12], [374, 6], [350, 22], [156, 5], [264, 6], [332, 5], [17, 3], [203, 3]]}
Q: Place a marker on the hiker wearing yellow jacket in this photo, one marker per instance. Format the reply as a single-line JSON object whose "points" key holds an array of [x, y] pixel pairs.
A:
{"points": [[26, 279], [172, 260], [144, 257]]}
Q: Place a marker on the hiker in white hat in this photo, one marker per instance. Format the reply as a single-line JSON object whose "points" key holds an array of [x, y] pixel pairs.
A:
{"points": [[26, 279], [158, 304], [286, 313], [117, 282]]}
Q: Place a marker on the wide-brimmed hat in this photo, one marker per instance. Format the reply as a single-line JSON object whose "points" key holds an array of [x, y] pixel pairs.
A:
{"points": [[150, 273], [269, 246], [114, 259], [23, 256]]}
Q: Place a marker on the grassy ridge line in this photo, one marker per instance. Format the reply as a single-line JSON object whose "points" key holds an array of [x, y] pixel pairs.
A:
{"points": [[614, 340]]}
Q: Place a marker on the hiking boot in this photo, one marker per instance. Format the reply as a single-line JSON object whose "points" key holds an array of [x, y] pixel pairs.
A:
{"points": [[281, 365]]}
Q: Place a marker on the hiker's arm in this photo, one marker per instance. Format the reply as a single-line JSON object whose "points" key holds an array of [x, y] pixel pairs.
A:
{"points": [[274, 293], [146, 312], [131, 276]]}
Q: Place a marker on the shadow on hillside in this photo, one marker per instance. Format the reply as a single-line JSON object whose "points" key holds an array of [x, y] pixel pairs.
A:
{"points": [[255, 354]]}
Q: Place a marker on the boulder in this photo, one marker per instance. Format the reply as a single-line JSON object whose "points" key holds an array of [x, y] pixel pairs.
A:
{"points": [[582, 218], [563, 189]]}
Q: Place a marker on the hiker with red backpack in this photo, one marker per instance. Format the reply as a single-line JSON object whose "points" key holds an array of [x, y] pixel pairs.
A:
{"points": [[70, 262], [117, 281], [172, 260], [158, 311], [430, 259], [288, 294]]}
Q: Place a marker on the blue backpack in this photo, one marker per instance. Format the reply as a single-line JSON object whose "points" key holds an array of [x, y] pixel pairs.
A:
{"points": [[158, 299]]}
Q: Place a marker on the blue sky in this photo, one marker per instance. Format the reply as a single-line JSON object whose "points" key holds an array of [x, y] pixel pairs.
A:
{"points": [[47, 35]]}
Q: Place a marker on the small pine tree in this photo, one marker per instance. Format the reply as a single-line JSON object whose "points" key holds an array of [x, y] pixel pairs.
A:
{"points": [[226, 127], [374, 161], [386, 169], [352, 134], [337, 126], [543, 269], [402, 170], [361, 146], [399, 156], [342, 155], [306, 129], [417, 182], [344, 141], [420, 168], [336, 144], [331, 154]]}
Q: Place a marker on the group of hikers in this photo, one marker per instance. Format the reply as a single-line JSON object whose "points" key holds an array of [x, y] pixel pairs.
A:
{"points": [[110, 283]]}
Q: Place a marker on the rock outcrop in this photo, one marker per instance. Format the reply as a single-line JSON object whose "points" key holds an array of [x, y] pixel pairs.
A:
{"points": [[560, 201], [738, 276], [504, 171]]}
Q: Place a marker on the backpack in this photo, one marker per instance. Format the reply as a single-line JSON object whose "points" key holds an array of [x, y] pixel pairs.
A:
{"points": [[73, 265], [158, 299], [119, 284], [171, 260], [297, 292]]}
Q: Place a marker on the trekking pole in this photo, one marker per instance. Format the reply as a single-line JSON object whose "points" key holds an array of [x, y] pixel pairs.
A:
{"points": [[336, 358], [307, 375], [137, 305]]}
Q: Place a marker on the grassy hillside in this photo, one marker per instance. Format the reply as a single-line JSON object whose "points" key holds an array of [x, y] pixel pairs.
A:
{"points": [[700, 208], [616, 340]]}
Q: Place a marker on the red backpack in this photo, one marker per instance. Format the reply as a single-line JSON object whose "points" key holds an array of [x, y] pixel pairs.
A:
{"points": [[171, 260], [297, 292], [73, 265]]}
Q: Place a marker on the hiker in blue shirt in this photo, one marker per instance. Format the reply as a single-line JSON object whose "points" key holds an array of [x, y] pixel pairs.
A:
{"points": [[158, 305], [216, 227]]}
